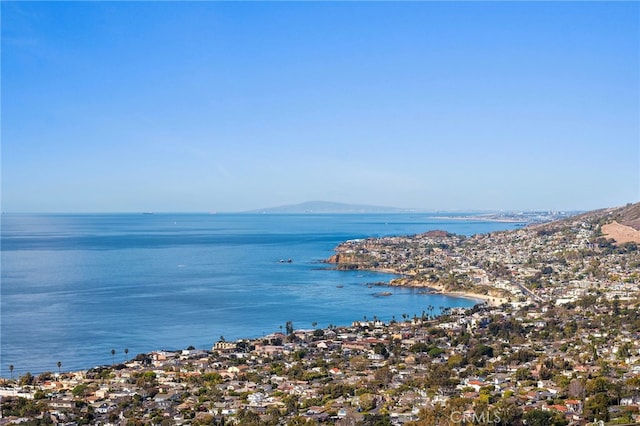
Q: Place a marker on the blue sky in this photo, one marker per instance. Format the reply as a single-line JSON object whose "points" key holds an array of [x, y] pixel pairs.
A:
{"points": [[208, 106]]}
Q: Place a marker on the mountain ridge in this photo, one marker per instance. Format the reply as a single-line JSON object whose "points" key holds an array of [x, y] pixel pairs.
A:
{"points": [[620, 224], [628, 215], [326, 207]]}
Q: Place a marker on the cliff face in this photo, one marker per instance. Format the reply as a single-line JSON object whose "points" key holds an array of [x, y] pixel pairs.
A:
{"points": [[348, 261], [336, 258]]}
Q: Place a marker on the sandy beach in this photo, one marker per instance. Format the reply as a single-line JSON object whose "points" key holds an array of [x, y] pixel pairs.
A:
{"points": [[437, 289]]}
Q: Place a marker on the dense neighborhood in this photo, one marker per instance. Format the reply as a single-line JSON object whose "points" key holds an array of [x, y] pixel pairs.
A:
{"points": [[556, 343]]}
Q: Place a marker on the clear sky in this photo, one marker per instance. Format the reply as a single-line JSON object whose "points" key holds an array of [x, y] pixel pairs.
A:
{"points": [[210, 106]]}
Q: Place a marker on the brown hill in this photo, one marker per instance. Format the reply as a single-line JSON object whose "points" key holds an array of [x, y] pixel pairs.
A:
{"points": [[629, 215], [623, 224]]}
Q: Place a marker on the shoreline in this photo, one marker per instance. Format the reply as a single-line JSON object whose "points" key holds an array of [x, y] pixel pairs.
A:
{"points": [[407, 281], [484, 219], [437, 289], [434, 289]]}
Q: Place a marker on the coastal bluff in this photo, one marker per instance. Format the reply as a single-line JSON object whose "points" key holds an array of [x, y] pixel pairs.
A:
{"points": [[536, 264]]}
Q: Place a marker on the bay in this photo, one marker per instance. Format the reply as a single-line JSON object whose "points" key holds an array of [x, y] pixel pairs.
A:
{"points": [[76, 286]]}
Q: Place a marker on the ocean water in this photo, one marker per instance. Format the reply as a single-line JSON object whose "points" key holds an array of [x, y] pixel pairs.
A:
{"points": [[74, 287]]}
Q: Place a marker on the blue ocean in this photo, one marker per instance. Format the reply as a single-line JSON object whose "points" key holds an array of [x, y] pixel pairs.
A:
{"points": [[76, 286]]}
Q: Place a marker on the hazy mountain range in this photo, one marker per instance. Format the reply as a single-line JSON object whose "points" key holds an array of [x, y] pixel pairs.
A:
{"points": [[329, 207]]}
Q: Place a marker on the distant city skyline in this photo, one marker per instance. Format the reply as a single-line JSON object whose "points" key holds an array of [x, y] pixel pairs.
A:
{"points": [[235, 106]]}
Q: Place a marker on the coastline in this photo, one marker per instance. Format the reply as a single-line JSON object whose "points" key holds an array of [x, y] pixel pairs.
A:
{"points": [[438, 289], [409, 282], [153, 279], [483, 219]]}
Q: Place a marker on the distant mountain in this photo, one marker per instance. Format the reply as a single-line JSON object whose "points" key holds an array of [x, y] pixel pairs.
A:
{"points": [[329, 207]]}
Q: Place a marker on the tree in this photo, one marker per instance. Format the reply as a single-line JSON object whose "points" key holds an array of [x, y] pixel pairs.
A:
{"points": [[289, 327], [383, 375], [113, 356], [126, 351], [381, 349], [359, 363], [597, 407], [59, 365], [274, 414], [27, 379], [576, 388], [11, 370], [431, 416], [507, 411], [79, 389], [477, 354], [367, 401], [247, 417], [291, 403], [376, 420], [598, 385], [624, 351], [538, 418]]}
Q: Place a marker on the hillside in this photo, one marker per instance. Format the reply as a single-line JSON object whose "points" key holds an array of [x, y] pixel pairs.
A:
{"points": [[561, 260], [556, 343], [629, 215], [622, 224]]}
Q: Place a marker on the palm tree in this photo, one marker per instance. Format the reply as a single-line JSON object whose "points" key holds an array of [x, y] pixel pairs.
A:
{"points": [[11, 370], [59, 365], [113, 356], [126, 351]]}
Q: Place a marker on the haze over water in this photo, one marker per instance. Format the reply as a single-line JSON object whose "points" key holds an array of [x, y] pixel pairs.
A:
{"points": [[74, 287]]}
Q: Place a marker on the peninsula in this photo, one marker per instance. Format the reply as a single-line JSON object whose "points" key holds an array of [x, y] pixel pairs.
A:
{"points": [[559, 261]]}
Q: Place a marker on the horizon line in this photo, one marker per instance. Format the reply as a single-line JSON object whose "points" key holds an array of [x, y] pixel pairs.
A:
{"points": [[265, 212]]}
